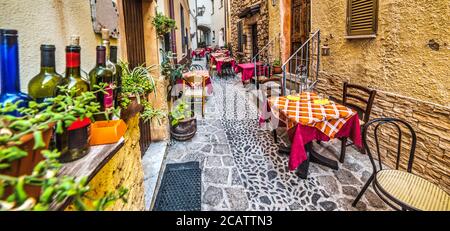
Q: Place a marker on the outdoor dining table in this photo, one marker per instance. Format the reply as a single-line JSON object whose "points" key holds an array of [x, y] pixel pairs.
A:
{"points": [[204, 73], [222, 60], [248, 70], [200, 52], [307, 119]]}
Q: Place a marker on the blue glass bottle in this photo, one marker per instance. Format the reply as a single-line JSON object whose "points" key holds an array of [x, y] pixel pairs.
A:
{"points": [[9, 70]]}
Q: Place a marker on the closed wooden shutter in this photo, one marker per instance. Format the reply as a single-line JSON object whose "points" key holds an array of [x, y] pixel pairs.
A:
{"points": [[134, 30], [362, 17]]}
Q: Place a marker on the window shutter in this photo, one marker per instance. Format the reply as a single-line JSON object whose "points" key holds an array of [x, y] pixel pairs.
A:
{"points": [[362, 17]]}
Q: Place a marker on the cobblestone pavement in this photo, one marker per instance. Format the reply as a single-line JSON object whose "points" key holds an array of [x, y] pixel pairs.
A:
{"points": [[242, 170]]}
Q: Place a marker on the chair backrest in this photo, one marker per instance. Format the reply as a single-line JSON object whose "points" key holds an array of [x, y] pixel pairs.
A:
{"points": [[366, 98], [196, 67], [397, 124], [195, 80]]}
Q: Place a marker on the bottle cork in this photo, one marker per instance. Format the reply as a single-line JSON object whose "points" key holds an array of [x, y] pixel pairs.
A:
{"points": [[75, 40], [105, 33]]}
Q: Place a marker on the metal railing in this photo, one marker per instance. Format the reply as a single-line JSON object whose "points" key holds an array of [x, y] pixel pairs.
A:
{"points": [[301, 70], [262, 60]]}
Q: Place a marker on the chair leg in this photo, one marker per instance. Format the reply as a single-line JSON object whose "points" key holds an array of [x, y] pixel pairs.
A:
{"points": [[343, 149], [363, 190], [275, 136], [203, 107]]}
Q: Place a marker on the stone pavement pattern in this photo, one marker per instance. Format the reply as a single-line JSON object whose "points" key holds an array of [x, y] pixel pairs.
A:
{"points": [[242, 170]]}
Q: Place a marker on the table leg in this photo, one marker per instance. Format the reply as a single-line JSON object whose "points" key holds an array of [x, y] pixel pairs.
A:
{"points": [[319, 159]]}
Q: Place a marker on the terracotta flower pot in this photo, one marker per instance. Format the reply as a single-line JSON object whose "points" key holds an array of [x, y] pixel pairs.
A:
{"points": [[277, 70], [133, 108], [185, 129], [24, 166]]}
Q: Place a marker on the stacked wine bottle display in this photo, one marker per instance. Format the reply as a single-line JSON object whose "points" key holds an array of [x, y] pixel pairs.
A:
{"points": [[73, 143]]}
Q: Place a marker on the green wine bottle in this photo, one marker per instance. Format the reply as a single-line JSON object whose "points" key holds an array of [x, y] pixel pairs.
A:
{"points": [[101, 74], [117, 77], [73, 77], [73, 143], [75, 41], [44, 85]]}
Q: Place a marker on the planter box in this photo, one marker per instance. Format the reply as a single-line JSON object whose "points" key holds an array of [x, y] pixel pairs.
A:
{"points": [[24, 166]]}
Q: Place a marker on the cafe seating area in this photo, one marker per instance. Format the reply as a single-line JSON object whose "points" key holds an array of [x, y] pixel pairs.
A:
{"points": [[298, 151]]}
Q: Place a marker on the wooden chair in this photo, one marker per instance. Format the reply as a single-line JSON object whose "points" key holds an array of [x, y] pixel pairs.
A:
{"points": [[361, 100], [195, 87], [402, 190]]}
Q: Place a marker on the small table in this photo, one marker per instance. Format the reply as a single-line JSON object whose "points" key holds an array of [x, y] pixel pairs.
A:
{"points": [[307, 121], [222, 60], [248, 70], [205, 75]]}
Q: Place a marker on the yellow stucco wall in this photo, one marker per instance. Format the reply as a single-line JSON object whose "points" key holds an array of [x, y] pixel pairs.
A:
{"points": [[123, 170], [49, 22], [275, 28], [399, 59]]}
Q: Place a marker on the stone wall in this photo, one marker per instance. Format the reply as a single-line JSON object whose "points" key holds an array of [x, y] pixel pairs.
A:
{"points": [[262, 20], [124, 169], [431, 122], [399, 59]]}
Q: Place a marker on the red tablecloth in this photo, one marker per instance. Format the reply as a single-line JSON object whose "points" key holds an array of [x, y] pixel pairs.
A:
{"points": [[248, 70], [302, 135], [221, 61], [304, 123], [199, 52]]}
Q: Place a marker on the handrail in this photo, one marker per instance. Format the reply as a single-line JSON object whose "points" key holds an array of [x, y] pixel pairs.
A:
{"points": [[301, 68], [264, 48], [299, 49]]}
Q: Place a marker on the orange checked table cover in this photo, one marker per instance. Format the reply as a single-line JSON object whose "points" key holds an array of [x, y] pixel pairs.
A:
{"points": [[327, 118]]}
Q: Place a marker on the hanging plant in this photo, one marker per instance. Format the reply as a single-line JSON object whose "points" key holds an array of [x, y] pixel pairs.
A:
{"points": [[163, 24]]}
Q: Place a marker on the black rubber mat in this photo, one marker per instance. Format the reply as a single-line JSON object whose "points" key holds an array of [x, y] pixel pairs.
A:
{"points": [[180, 188]]}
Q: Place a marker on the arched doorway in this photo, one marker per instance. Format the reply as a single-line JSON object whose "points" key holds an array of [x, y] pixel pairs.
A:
{"points": [[204, 35]]}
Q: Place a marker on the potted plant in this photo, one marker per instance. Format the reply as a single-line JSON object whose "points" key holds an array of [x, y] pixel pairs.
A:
{"points": [[137, 84], [163, 24], [28, 169], [277, 66], [183, 124], [53, 188], [173, 73]]}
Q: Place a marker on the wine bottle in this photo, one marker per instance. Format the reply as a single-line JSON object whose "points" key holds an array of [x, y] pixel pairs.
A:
{"points": [[75, 41], [73, 70], [73, 143], [101, 74], [107, 44], [44, 85], [117, 77], [9, 71]]}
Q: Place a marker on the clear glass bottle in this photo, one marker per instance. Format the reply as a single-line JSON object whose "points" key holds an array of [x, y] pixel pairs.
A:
{"points": [[9, 70], [44, 85], [107, 44]]}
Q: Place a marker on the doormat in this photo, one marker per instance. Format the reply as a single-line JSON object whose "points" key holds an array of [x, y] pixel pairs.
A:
{"points": [[180, 189]]}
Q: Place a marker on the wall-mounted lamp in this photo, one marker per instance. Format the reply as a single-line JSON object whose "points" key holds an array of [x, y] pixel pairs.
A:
{"points": [[201, 10], [325, 48]]}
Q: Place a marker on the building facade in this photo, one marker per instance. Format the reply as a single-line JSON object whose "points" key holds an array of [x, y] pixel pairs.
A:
{"points": [[249, 25], [396, 52], [179, 40]]}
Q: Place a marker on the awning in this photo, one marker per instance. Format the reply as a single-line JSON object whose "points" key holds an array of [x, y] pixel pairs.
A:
{"points": [[250, 11]]}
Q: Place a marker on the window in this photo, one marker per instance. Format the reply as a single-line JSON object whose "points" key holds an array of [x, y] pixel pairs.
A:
{"points": [[221, 3], [214, 36], [212, 7], [362, 18]]}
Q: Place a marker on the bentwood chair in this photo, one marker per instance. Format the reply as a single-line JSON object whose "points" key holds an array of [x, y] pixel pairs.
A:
{"points": [[195, 88], [196, 67], [401, 190], [361, 100]]}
